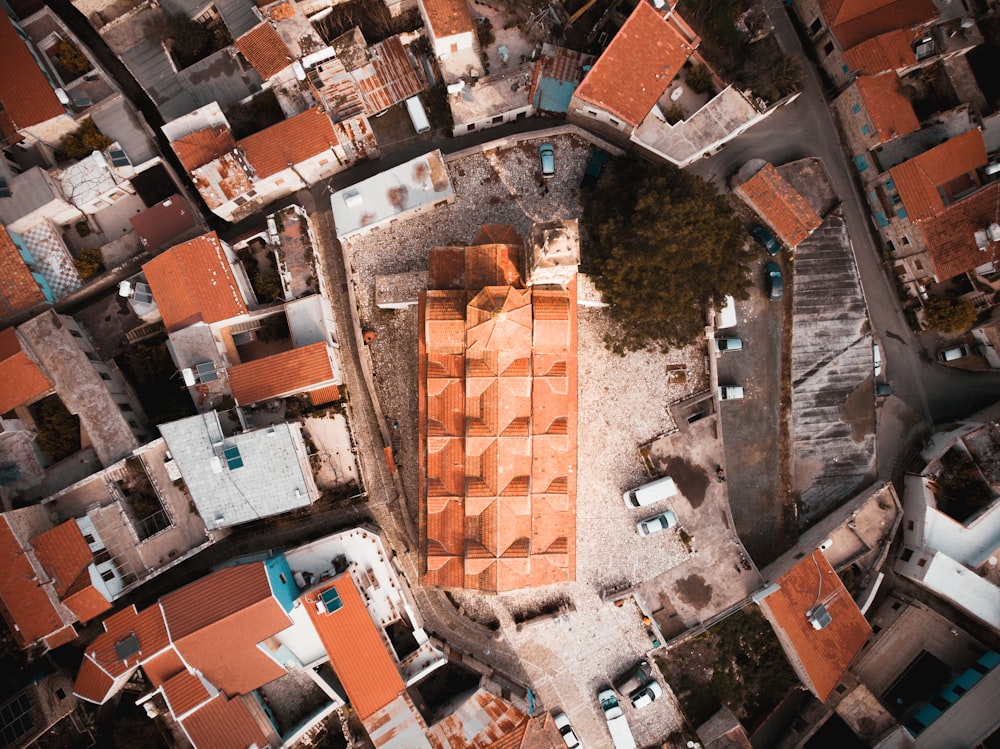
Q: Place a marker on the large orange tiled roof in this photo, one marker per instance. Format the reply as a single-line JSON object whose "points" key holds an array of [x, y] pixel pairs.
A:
{"points": [[886, 52], [820, 657], [224, 724], [448, 17], [193, 282], [93, 683], [147, 626], [264, 50], [27, 604], [888, 107], [278, 375], [780, 205], [357, 653], [233, 606], [497, 425], [203, 146], [22, 379], [18, 288], [26, 97], [635, 69], [63, 553], [921, 179], [289, 142], [854, 21], [950, 236]]}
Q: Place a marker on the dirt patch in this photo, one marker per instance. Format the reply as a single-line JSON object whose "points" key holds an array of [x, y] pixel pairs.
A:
{"points": [[858, 411], [692, 480], [694, 591]]}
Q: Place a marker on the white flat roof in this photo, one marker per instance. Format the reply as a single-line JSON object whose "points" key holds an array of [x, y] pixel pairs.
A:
{"points": [[963, 587], [243, 477], [420, 182]]}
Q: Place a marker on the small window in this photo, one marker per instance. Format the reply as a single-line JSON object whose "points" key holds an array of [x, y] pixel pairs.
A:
{"points": [[920, 266], [108, 575], [906, 240], [615, 122], [922, 562], [897, 604], [498, 119], [61, 693], [905, 556], [865, 130], [75, 333], [876, 629], [239, 200], [909, 525], [800, 555], [828, 48], [88, 538], [856, 108], [124, 407], [841, 688], [845, 68], [815, 26], [471, 127], [105, 376], [284, 580]]}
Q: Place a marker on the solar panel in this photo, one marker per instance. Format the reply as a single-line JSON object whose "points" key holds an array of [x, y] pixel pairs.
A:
{"points": [[118, 157], [127, 648], [142, 293], [331, 599], [233, 459], [15, 719], [207, 372]]}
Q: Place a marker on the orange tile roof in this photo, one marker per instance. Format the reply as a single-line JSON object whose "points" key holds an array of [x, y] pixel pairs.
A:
{"points": [[28, 609], [161, 667], [886, 52], [950, 236], [890, 110], [322, 396], [289, 142], [264, 50], [357, 653], [26, 97], [83, 599], [193, 282], [203, 146], [63, 553], [631, 74], [448, 17], [920, 180], [93, 683], [484, 720], [235, 606], [278, 375], [184, 692], [224, 724], [854, 21], [22, 379], [539, 732], [60, 637], [18, 288], [497, 433], [820, 657], [147, 626], [780, 205]]}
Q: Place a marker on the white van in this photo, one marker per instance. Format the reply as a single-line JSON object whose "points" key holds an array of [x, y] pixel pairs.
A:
{"points": [[647, 494], [730, 393], [417, 115], [726, 317]]}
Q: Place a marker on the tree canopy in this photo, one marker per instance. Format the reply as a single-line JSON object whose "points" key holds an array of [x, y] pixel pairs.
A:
{"points": [[949, 313], [662, 244]]}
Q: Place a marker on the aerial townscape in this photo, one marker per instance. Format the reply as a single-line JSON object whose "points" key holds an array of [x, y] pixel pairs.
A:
{"points": [[500, 374]]}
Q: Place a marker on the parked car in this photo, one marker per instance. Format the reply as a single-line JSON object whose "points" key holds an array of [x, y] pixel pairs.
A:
{"points": [[726, 316], [877, 359], [660, 522], [647, 494], [547, 157], [646, 694], [730, 392], [597, 160], [728, 344], [766, 239], [773, 280], [635, 678], [951, 354], [565, 730]]}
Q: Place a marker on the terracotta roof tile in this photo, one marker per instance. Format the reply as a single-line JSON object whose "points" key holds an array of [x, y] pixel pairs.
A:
{"points": [[184, 692], [854, 21], [161, 667], [60, 637], [283, 374], [357, 653], [26, 97], [448, 17], [820, 657], [950, 236], [264, 50], [18, 288], [631, 74], [886, 52], [22, 379], [392, 77], [83, 599], [291, 141], [235, 606], [203, 146], [322, 396], [63, 553], [29, 609], [780, 205], [193, 282], [92, 682], [147, 626], [890, 110], [539, 732], [224, 724], [921, 180]]}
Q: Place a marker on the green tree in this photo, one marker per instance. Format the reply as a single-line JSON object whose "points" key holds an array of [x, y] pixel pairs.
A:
{"points": [[88, 262], [664, 243], [71, 60], [949, 313], [699, 79], [58, 429], [85, 140], [189, 40]]}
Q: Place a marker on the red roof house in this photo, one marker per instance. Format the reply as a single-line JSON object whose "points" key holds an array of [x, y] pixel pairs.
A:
{"points": [[289, 142], [890, 51], [194, 282], [926, 180], [67, 558], [23, 381], [780, 205], [264, 50], [950, 236], [635, 69], [19, 290], [889, 109], [817, 622], [855, 21], [301, 370], [26, 96]]}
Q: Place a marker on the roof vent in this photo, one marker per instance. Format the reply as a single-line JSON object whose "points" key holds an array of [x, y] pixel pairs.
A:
{"points": [[128, 647], [981, 241], [993, 232], [353, 198], [819, 617]]}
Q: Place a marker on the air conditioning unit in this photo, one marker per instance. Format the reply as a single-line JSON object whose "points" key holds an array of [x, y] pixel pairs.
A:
{"points": [[819, 617]]}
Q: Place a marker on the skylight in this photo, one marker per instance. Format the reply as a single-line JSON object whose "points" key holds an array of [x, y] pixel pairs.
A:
{"points": [[233, 458], [331, 599]]}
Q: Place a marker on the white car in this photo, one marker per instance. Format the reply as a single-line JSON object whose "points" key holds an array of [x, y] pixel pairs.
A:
{"points": [[656, 524], [877, 358], [566, 730], [646, 694], [728, 344]]}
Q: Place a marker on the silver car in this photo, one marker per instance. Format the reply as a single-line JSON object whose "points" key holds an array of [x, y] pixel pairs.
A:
{"points": [[565, 730], [660, 522]]}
